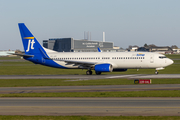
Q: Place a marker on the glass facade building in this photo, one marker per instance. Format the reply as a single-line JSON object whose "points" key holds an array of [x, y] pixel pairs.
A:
{"points": [[71, 45]]}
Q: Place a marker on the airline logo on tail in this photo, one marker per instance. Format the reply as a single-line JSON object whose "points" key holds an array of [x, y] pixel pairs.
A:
{"points": [[30, 43]]}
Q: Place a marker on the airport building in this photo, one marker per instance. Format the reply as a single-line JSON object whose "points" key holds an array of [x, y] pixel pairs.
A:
{"points": [[72, 45]]}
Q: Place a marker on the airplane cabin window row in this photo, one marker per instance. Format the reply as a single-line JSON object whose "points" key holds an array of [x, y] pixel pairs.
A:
{"points": [[86, 58], [127, 57], [76, 58]]}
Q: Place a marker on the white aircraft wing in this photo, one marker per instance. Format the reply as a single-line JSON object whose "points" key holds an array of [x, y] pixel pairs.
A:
{"points": [[81, 64]]}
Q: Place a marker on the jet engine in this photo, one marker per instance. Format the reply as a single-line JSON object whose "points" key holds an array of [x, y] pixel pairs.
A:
{"points": [[103, 67]]}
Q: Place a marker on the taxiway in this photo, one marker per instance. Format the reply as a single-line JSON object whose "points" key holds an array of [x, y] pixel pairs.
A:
{"points": [[96, 88], [89, 77], [91, 106]]}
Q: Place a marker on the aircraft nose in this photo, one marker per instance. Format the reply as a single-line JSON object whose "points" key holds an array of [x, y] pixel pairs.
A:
{"points": [[170, 62]]}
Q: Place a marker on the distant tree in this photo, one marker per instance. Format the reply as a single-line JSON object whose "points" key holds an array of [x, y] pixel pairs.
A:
{"points": [[130, 46], [174, 47], [145, 45], [152, 45]]}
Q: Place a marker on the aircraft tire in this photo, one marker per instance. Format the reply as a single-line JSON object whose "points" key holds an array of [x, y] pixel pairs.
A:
{"points": [[98, 73], [156, 72], [88, 72]]}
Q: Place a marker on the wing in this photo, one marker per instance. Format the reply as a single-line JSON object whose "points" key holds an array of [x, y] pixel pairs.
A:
{"points": [[81, 64]]}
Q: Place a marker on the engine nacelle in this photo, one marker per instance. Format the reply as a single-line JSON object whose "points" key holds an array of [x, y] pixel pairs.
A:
{"points": [[103, 68], [119, 70]]}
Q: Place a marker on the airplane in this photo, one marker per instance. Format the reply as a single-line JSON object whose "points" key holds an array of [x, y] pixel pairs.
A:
{"points": [[97, 61]]}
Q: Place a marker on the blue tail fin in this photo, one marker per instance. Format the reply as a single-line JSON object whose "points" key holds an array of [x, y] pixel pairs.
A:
{"points": [[31, 45], [34, 52]]}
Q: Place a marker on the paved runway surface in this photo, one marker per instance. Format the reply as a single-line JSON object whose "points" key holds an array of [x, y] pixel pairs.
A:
{"points": [[90, 106], [88, 77], [97, 88]]}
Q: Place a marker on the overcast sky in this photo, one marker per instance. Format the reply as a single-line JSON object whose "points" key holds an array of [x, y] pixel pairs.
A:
{"points": [[125, 22]]}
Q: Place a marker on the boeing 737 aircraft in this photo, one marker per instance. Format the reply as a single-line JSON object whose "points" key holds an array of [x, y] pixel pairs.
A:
{"points": [[97, 61]]}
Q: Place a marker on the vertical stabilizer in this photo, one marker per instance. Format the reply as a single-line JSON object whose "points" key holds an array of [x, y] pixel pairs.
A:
{"points": [[31, 45]]}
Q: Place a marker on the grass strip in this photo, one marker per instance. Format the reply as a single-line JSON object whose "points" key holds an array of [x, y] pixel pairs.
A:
{"points": [[65, 82], [60, 82], [10, 58], [153, 93], [13, 117], [173, 56]]}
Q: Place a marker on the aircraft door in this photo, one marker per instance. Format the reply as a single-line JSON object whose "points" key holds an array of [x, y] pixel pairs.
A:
{"points": [[151, 58]]}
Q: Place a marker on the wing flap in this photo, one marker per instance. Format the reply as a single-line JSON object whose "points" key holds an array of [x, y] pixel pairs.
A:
{"points": [[78, 63]]}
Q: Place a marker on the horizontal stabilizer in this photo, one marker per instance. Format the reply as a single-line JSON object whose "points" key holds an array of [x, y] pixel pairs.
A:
{"points": [[22, 55]]}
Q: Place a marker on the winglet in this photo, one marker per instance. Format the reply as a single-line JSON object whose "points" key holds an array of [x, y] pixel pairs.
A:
{"points": [[99, 50]]}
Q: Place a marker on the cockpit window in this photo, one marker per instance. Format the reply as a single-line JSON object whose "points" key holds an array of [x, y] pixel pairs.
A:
{"points": [[162, 57]]}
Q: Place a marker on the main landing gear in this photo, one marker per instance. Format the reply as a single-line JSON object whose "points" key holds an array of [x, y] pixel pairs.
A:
{"points": [[89, 72], [98, 73]]}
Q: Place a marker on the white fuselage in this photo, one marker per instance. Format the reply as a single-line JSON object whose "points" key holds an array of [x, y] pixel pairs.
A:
{"points": [[132, 60]]}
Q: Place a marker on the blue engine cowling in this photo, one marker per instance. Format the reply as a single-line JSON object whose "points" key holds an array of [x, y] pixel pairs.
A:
{"points": [[103, 68]]}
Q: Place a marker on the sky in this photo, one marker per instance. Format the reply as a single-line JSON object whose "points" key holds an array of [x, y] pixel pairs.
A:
{"points": [[125, 22]]}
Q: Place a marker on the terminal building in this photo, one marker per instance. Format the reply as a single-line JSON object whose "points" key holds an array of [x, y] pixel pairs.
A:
{"points": [[72, 45]]}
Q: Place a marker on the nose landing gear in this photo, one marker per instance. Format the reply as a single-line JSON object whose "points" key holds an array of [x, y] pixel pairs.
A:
{"points": [[156, 72]]}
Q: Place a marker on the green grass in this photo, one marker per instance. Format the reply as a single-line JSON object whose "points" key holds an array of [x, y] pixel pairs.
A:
{"points": [[10, 58], [61, 82], [28, 68], [65, 82], [176, 61], [13, 117], [153, 93], [166, 81], [173, 56]]}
